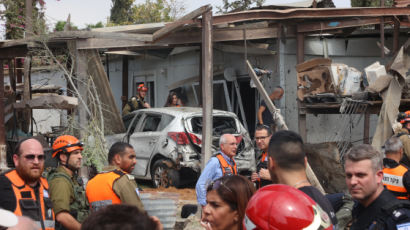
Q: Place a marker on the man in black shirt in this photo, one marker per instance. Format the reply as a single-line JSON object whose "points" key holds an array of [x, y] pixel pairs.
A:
{"points": [[377, 208], [264, 115], [287, 161]]}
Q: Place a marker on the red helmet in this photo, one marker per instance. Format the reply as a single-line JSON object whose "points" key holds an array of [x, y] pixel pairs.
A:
{"points": [[141, 87], [66, 143], [276, 207]]}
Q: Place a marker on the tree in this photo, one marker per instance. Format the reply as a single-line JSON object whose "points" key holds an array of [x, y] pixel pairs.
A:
{"points": [[370, 3], [238, 5], [121, 12], [96, 25], [14, 16], [60, 26], [157, 11]]}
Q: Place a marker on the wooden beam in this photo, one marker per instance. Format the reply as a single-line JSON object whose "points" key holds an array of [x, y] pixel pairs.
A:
{"points": [[338, 24], [12, 52], [366, 128], [71, 35], [396, 34], [309, 13], [242, 49], [182, 38], [125, 95], [112, 116], [207, 87], [180, 22], [3, 149]]}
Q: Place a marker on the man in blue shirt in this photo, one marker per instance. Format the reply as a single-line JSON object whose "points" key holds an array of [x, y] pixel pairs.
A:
{"points": [[219, 165]]}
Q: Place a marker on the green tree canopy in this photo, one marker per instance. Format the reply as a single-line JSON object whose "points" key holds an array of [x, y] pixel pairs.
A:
{"points": [[238, 5], [121, 12], [96, 25], [60, 26], [370, 3]]}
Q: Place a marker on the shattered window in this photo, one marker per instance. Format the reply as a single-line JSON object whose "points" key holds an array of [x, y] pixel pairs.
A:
{"points": [[166, 119], [134, 124], [151, 123], [221, 125]]}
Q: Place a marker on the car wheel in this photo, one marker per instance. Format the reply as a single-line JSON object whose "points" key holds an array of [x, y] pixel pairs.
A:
{"points": [[164, 176]]}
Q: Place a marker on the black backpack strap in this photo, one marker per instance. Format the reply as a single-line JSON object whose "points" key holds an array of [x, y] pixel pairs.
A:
{"points": [[119, 172]]}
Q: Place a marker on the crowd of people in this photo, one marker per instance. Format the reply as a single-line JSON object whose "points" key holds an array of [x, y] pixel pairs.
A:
{"points": [[278, 195]]}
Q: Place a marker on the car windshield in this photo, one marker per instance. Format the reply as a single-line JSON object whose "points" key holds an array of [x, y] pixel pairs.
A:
{"points": [[221, 125]]}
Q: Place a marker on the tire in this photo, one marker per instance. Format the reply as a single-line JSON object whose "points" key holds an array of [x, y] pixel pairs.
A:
{"points": [[164, 176]]}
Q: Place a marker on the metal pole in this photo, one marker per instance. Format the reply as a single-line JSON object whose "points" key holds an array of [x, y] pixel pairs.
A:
{"points": [[3, 152], [207, 90]]}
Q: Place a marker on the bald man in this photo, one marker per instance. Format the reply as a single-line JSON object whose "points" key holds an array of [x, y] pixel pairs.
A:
{"points": [[221, 164]]}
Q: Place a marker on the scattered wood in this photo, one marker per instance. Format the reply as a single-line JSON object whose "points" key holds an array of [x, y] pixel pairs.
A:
{"points": [[48, 102], [180, 22]]}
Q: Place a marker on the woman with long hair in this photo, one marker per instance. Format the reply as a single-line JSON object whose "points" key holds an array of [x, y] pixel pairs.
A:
{"points": [[226, 199], [172, 100]]}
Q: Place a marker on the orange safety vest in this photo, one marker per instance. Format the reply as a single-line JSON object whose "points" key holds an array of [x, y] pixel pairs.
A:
{"points": [[264, 155], [99, 190], [393, 180], [227, 169], [27, 203]]}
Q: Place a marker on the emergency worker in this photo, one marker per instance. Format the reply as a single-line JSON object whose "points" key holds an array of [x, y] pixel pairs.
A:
{"points": [[23, 190], [287, 161], [403, 134], [377, 208], [66, 188], [396, 177], [221, 164], [262, 177], [115, 185], [137, 102], [281, 206]]}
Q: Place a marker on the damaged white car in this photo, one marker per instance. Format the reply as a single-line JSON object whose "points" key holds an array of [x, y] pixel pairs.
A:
{"points": [[167, 142]]}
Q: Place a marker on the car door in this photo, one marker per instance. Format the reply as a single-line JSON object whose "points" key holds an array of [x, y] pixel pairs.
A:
{"points": [[144, 141]]}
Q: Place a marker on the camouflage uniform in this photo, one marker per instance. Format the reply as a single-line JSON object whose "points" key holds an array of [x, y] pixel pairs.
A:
{"points": [[134, 103], [67, 194]]}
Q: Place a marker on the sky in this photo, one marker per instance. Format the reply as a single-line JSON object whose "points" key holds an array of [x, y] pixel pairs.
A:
{"points": [[85, 12]]}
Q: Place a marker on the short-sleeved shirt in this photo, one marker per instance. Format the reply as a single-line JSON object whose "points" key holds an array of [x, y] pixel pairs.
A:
{"points": [[126, 189], [321, 200], [267, 115], [61, 192]]}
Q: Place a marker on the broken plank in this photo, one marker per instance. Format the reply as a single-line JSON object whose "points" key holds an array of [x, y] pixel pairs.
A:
{"points": [[339, 24], [241, 50], [313, 63], [180, 22], [69, 35], [183, 38], [52, 101]]}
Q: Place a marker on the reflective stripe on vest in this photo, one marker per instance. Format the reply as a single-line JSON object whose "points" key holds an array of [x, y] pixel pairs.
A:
{"points": [[393, 180], [227, 169], [26, 201], [99, 190]]}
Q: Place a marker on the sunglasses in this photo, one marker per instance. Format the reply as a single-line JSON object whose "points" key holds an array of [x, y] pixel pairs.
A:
{"points": [[31, 157], [215, 185]]}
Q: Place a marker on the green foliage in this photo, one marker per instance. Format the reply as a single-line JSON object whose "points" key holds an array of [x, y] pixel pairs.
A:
{"points": [[60, 26], [96, 25], [121, 12], [370, 3], [14, 16], [147, 12], [239, 5]]}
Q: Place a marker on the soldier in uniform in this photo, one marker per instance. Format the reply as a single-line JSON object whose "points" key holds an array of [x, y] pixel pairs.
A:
{"points": [[137, 102], [66, 190], [115, 185]]}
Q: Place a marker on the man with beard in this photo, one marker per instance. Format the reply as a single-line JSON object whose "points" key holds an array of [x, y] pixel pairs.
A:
{"points": [[23, 190], [115, 185], [66, 190]]}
